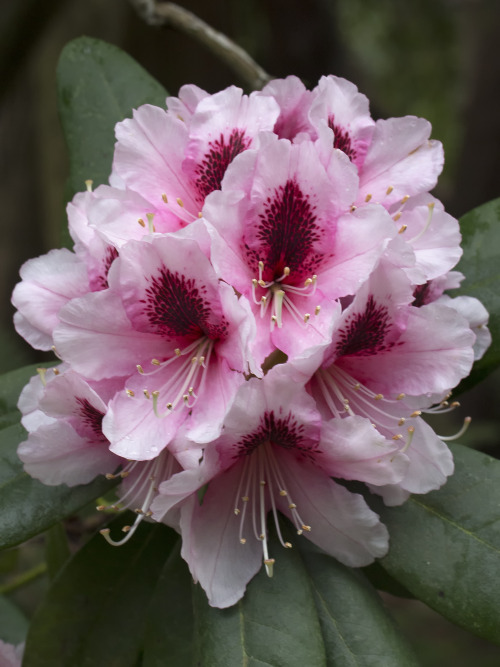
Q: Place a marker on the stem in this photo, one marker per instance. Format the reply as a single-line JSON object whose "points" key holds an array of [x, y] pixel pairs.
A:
{"points": [[24, 578], [169, 14]]}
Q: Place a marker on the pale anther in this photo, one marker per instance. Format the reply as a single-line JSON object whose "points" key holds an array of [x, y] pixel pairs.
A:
{"points": [[402, 229], [389, 190], [179, 201], [129, 393], [269, 562], [141, 222], [367, 198]]}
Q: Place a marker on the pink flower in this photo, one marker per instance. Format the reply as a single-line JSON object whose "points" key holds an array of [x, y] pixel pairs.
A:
{"points": [[10, 655], [63, 414], [176, 160], [284, 235], [386, 360], [270, 457], [68, 446], [178, 335], [255, 305]]}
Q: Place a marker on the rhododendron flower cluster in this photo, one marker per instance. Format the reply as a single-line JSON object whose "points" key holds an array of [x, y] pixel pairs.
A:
{"points": [[253, 310]]}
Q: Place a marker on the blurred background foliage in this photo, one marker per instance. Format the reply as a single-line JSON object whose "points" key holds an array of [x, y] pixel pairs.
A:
{"points": [[433, 58]]}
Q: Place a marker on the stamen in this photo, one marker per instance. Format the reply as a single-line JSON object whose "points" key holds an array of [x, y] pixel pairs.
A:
{"points": [[161, 466], [129, 393], [389, 190], [141, 222], [165, 198], [411, 431], [430, 206], [180, 202], [367, 198], [459, 433]]}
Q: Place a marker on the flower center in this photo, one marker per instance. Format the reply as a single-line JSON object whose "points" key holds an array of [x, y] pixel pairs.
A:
{"points": [[279, 294], [344, 396], [260, 483]]}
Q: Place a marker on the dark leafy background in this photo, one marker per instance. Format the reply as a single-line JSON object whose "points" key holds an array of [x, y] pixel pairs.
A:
{"points": [[314, 611]]}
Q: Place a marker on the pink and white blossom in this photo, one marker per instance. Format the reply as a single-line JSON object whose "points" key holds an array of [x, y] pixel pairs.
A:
{"points": [[254, 306], [270, 457]]}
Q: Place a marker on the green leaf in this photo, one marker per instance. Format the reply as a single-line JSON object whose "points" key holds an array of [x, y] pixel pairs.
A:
{"points": [[13, 623], [480, 240], [98, 86], [94, 614], [382, 581], [56, 549], [357, 630], [169, 629], [275, 624], [445, 546], [28, 506]]}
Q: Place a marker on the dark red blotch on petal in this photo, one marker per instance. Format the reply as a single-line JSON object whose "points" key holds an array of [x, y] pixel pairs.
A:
{"points": [[286, 233], [422, 294], [109, 257], [342, 139], [365, 333], [282, 432], [91, 417], [220, 154], [177, 307]]}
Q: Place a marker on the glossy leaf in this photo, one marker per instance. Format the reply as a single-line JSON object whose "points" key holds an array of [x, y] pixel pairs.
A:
{"points": [[357, 630], [481, 240], [98, 85], [56, 549], [275, 624], [445, 546], [13, 623], [28, 506], [94, 615], [169, 629]]}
